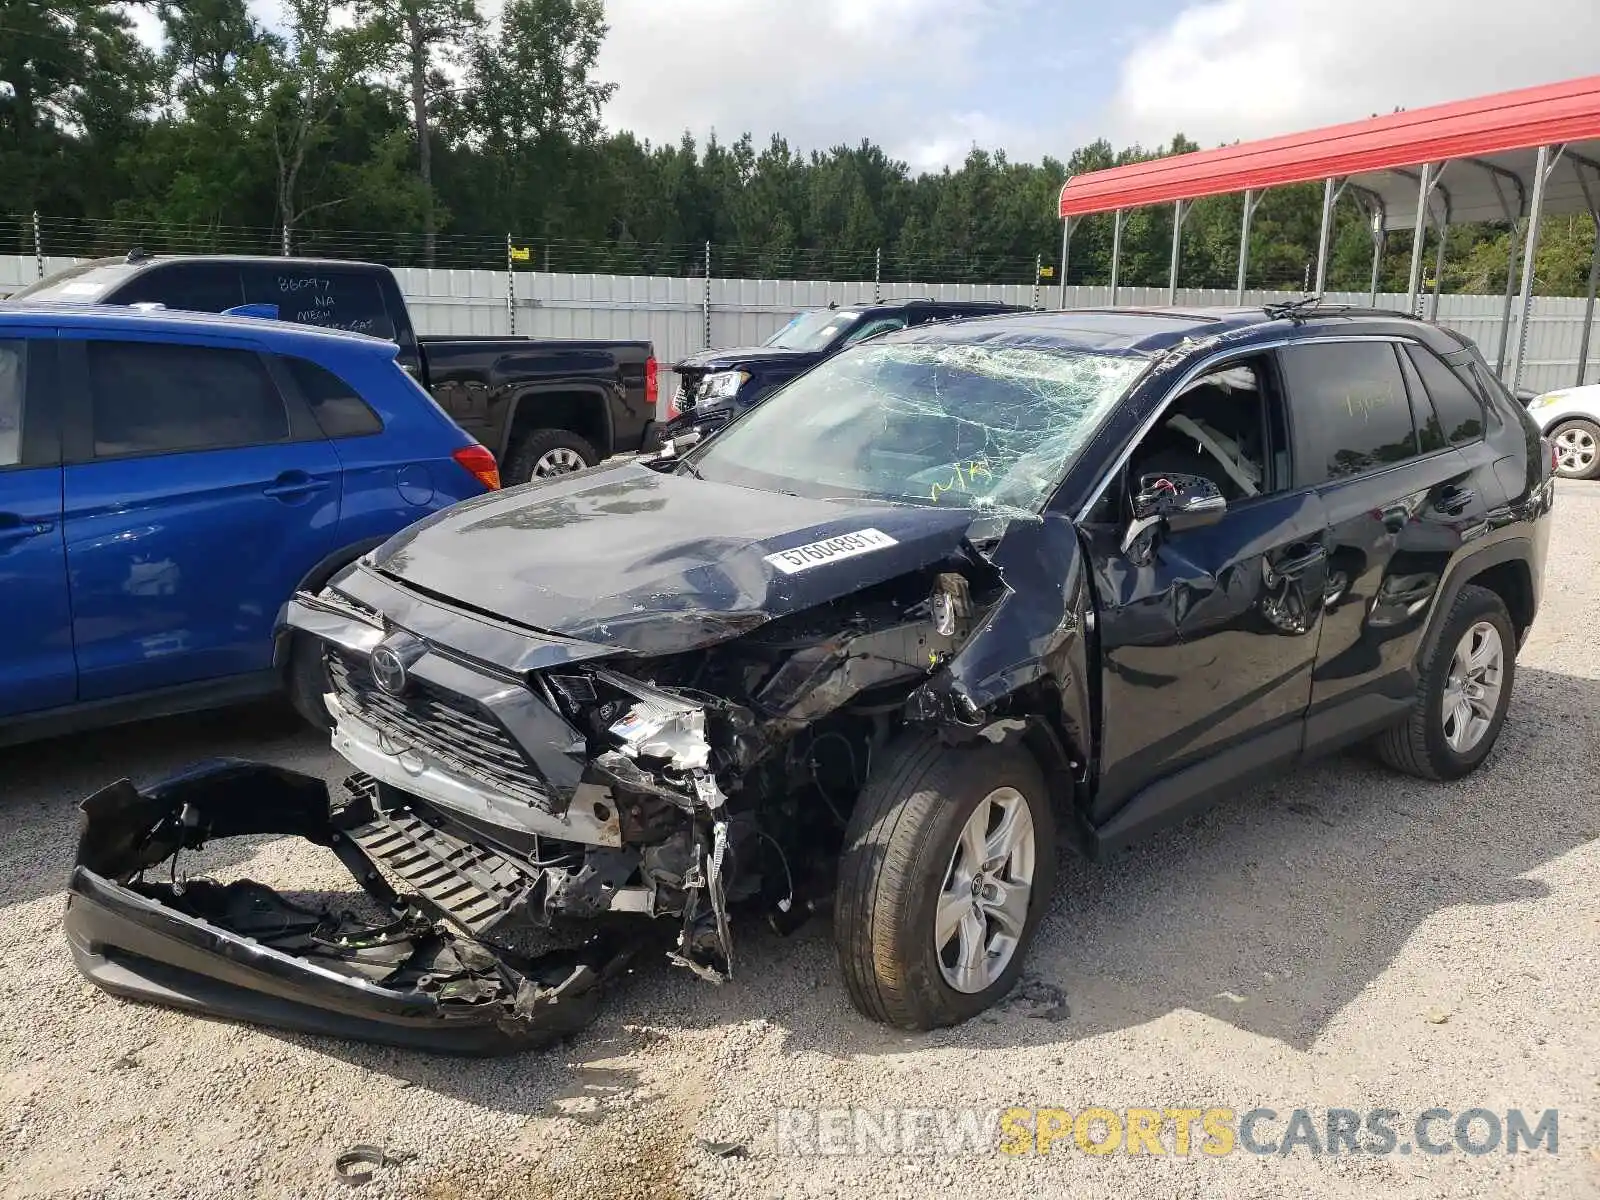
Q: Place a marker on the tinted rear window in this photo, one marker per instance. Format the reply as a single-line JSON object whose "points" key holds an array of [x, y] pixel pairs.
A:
{"points": [[156, 397], [338, 408], [1350, 408], [190, 286], [1460, 412], [323, 296]]}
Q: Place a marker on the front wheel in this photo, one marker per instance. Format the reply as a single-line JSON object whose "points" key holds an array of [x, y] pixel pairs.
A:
{"points": [[948, 864], [1577, 446], [307, 681]]}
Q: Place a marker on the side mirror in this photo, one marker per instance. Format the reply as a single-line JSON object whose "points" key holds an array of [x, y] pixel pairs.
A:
{"points": [[1176, 501]]}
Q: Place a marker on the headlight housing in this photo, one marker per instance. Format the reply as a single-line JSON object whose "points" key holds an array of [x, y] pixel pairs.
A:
{"points": [[722, 384], [1546, 400]]}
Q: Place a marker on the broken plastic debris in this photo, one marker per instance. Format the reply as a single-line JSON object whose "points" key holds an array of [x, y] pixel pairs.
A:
{"points": [[365, 1153], [724, 1149]]}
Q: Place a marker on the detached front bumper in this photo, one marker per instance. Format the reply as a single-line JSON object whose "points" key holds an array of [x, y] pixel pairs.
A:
{"points": [[244, 952]]}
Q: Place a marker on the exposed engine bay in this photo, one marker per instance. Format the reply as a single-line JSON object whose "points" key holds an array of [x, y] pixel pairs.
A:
{"points": [[710, 779]]}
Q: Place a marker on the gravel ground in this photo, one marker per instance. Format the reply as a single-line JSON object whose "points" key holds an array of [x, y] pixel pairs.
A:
{"points": [[1344, 937]]}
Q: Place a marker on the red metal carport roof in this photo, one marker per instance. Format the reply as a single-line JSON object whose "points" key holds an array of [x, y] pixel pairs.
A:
{"points": [[1496, 134]]}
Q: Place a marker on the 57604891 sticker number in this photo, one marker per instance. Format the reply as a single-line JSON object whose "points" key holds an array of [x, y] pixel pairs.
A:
{"points": [[817, 554]]}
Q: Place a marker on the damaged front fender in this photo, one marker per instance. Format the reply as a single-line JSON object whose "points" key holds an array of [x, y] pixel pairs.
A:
{"points": [[245, 952]]}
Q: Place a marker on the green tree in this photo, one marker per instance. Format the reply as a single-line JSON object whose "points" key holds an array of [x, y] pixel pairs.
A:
{"points": [[74, 85], [420, 41]]}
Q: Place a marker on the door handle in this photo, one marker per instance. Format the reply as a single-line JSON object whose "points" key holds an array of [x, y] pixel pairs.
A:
{"points": [[14, 528], [1454, 500], [292, 485]]}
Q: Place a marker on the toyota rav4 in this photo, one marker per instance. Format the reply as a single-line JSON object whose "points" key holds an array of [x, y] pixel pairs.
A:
{"points": [[957, 596]]}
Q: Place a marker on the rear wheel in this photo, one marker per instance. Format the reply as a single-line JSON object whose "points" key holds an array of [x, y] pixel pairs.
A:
{"points": [[1463, 693], [947, 869], [1577, 449], [546, 453]]}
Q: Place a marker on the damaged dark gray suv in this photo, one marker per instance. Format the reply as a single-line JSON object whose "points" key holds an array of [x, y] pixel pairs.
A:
{"points": [[953, 598]]}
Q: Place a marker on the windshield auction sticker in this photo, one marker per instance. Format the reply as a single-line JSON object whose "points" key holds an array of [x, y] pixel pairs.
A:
{"points": [[818, 554]]}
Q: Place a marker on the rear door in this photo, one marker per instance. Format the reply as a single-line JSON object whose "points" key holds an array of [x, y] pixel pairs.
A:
{"points": [[195, 499], [1400, 500], [37, 669]]}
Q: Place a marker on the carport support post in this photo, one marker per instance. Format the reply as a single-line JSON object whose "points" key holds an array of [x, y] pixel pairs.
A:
{"points": [[1244, 243], [1511, 291], [1116, 253], [1380, 236], [1530, 249], [1594, 272], [1438, 270], [1066, 251], [1418, 237], [1324, 237], [1588, 305], [1177, 249]]}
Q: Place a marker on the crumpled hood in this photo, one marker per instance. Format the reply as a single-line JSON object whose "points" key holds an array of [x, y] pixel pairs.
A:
{"points": [[746, 357], [656, 563]]}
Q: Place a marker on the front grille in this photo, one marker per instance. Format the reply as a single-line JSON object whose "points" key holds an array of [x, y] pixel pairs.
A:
{"points": [[461, 735]]}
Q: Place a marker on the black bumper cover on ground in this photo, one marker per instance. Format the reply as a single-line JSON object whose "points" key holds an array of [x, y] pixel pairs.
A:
{"points": [[407, 980]]}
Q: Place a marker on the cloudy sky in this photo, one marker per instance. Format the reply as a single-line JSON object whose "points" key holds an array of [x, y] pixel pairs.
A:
{"points": [[928, 78]]}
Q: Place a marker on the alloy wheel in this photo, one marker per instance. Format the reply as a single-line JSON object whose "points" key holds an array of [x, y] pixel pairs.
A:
{"points": [[1575, 451], [983, 906], [1472, 689], [560, 461]]}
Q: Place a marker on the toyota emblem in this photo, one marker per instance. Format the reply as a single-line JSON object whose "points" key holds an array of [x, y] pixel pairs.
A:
{"points": [[391, 663]]}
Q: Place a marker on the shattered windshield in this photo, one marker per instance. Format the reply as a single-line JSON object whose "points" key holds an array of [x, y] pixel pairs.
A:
{"points": [[958, 424], [813, 330]]}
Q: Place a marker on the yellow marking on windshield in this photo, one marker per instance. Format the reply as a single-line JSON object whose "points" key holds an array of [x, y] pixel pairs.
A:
{"points": [[959, 478]]}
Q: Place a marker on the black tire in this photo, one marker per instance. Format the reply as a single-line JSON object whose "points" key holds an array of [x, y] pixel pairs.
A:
{"points": [[531, 447], [1580, 428], [1417, 745], [306, 681], [897, 851]]}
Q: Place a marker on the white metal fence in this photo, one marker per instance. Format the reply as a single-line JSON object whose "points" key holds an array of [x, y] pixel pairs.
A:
{"points": [[680, 316]]}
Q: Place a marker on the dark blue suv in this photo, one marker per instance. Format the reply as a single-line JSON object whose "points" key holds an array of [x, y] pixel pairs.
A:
{"points": [[168, 480]]}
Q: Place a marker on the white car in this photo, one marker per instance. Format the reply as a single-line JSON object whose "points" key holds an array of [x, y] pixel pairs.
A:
{"points": [[1570, 418]]}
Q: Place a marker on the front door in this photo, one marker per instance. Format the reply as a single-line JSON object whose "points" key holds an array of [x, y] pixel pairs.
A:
{"points": [[37, 669], [194, 505], [1208, 635]]}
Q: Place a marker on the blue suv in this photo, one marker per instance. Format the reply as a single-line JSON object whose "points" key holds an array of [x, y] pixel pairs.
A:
{"points": [[168, 480]]}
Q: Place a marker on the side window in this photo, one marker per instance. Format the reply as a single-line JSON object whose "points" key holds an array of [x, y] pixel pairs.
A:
{"points": [[1226, 426], [1460, 413], [323, 296], [1350, 408], [873, 328], [13, 378], [193, 287], [156, 397], [339, 410], [1430, 434]]}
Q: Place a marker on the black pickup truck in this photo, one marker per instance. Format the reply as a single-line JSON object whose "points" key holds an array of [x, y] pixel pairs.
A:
{"points": [[714, 386], [544, 406]]}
